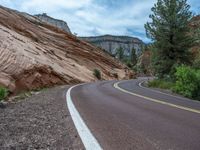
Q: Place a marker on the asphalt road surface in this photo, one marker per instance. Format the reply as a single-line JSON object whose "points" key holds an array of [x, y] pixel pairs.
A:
{"points": [[144, 120]]}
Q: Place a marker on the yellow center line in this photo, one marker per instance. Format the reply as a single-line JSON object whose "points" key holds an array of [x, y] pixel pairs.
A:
{"points": [[116, 85]]}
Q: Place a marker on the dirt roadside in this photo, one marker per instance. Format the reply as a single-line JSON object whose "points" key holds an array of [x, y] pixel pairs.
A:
{"points": [[39, 122]]}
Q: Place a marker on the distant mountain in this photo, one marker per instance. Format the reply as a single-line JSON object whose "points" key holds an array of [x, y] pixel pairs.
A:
{"points": [[111, 43]]}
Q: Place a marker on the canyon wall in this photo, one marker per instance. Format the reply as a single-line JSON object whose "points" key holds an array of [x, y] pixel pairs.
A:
{"points": [[112, 43]]}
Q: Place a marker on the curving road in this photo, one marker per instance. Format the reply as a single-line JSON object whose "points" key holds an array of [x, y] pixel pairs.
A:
{"points": [[128, 116]]}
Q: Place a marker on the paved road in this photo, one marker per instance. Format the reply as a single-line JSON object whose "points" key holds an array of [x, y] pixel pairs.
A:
{"points": [[123, 121]]}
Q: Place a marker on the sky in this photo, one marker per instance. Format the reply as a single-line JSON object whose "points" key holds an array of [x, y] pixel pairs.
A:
{"points": [[96, 17]]}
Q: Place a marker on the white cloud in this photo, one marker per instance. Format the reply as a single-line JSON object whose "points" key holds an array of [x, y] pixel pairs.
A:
{"points": [[94, 17], [52, 6]]}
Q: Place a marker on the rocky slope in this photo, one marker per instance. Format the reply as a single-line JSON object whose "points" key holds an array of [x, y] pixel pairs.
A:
{"points": [[55, 22], [34, 54], [111, 43]]}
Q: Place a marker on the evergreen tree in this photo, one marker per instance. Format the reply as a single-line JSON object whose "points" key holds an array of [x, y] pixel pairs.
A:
{"points": [[133, 57], [120, 53], [169, 30]]}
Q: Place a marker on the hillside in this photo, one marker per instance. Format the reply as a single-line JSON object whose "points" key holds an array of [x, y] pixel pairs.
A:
{"points": [[34, 55]]}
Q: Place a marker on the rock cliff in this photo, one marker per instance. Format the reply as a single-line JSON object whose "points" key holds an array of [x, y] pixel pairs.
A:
{"points": [[112, 43], [55, 22]]}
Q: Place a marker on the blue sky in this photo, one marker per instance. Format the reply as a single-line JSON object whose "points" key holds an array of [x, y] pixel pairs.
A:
{"points": [[96, 17]]}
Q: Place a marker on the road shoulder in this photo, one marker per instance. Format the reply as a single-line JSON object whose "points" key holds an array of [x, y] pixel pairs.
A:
{"points": [[39, 122]]}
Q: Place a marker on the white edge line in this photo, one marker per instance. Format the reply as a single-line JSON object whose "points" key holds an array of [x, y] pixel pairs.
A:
{"points": [[179, 97], [89, 141]]}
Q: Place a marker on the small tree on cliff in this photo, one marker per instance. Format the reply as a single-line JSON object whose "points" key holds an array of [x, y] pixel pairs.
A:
{"points": [[133, 57], [120, 53], [169, 30]]}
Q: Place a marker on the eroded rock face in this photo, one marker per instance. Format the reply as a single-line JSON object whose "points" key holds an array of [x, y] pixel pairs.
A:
{"points": [[112, 43], [34, 54], [55, 22]]}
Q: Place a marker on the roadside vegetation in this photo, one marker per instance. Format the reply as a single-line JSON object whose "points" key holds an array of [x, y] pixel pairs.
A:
{"points": [[3, 93], [160, 83], [174, 61], [20, 96], [188, 82]]}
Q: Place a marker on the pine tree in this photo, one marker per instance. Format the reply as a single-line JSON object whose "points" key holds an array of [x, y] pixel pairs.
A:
{"points": [[120, 53], [169, 30], [133, 57]]}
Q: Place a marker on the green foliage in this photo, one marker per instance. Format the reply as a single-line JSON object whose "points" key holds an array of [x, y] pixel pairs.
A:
{"points": [[141, 68], [188, 82], [120, 53], [135, 69], [129, 64], [133, 57], [161, 84], [169, 31], [97, 73], [3, 93], [130, 61]]}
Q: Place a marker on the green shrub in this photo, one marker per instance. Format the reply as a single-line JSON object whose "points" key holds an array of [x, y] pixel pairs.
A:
{"points": [[3, 93], [129, 64], [187, 82], [157, 83], [97, 74]]}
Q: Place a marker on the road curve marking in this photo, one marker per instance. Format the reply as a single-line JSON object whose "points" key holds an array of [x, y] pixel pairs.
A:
{"points": [[116, 85], [89, 141]]}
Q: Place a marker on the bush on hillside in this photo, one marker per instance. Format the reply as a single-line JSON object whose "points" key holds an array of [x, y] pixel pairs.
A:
{"points": [[187, 82], [97, 74], [128, 64], [3, 93]]}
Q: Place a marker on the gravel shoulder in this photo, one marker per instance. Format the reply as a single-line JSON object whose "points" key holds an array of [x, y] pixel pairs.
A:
{"points": [[39, 122]]}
